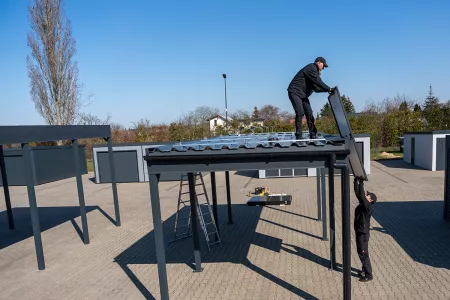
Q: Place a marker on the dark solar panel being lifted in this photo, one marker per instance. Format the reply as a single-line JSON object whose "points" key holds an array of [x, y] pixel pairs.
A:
{"points": [[247, 141]]}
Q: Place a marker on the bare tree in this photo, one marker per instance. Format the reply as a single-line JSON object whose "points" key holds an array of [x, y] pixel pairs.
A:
{"points": [[202, 113], [269, 113], [89, 119], [240, 114], [51, 68], [286, 116]]}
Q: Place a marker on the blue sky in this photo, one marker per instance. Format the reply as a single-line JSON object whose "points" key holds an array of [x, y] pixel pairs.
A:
{"points": [[159, 59]]}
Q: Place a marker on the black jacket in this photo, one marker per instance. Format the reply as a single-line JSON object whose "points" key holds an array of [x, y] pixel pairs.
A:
{"points": [[364, 210], [307, 81]]}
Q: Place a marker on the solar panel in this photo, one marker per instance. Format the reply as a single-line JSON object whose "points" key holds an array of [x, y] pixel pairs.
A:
{"points": [[346, 133], [247, 141]]}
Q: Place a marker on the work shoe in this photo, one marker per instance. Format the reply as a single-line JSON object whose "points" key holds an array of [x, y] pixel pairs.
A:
{"points": [[366, 278]]}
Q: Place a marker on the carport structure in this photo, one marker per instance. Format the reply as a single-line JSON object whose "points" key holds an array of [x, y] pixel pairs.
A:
{"points": [[328, 156], [447, 179], [43, 133], [236, 153]]}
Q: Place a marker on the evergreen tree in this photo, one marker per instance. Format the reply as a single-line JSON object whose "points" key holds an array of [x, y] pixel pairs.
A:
{"points": [[403, 106], [326, 110], [430, 100], [432, 112], [417, 108], [255, 114], [348, 105]]}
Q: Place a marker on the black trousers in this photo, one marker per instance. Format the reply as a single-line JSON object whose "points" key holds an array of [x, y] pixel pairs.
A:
{"points": [[362, 246], [302, 107]]}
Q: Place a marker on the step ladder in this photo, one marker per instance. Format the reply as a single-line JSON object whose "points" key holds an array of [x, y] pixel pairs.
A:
{"points": [[205, 214]]}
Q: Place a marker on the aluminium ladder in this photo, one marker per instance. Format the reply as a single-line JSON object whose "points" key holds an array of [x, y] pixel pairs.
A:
{"points": [[208, 225]]}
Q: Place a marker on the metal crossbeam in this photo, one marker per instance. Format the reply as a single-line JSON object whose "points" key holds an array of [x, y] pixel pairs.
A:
{"points": [[45, 133]]}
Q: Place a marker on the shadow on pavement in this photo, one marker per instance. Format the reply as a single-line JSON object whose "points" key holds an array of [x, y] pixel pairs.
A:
{"points": [[236, 241], [419, 228], [324, 262], [398, 163], [292, 213], [247, 173], [49, 217]]}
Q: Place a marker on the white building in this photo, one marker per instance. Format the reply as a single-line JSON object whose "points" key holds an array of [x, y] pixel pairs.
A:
{"points": [[425, 149], [219, 120]]}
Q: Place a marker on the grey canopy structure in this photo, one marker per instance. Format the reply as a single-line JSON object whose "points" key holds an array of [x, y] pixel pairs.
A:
{"points": [[26, 134], [191, 161], [447, 179], [267, 152]]}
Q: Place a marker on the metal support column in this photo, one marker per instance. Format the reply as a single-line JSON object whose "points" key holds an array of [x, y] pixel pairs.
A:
{"points": [[30, 173], [6, 189], [346, 247], [76, 161], [214, 199], [319, 206], [447, 179], [324, 205], [112, 167], [332, 221], [227, 179], [194, 222], [159, 237]]}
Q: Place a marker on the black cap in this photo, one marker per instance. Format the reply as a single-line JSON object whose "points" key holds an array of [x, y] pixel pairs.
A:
{"points": [[322, 60], [373, 197]]}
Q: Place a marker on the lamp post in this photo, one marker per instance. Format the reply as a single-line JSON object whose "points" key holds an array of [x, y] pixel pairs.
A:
{"points": [[226, 106]]}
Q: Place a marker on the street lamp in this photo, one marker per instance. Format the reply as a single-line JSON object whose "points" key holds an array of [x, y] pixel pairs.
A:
{"points": [[226, 106]]}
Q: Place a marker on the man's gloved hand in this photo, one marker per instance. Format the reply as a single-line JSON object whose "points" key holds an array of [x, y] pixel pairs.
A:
{"points": [[360, 179], [331, 91]]}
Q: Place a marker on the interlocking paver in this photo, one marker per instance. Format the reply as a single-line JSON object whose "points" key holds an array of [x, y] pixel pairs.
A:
{"points": [[268, 253]]}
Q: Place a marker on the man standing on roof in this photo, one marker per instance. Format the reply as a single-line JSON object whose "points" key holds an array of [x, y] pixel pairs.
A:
{"points": [[363, 213], [304, 83]]}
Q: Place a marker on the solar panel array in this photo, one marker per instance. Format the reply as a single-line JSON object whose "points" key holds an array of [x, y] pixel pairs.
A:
{"points": [[247, 141]]}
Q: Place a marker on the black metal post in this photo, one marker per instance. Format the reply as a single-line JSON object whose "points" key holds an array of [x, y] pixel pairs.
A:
{"points": [[447, 179], [332, 220], [319, 206], [214, 200], [76, 161], [226, 104], [346, 247], [227, 179], [113, 181], [194, 222], [30, 173], [6, 189], [159, 236], [324, 206]]}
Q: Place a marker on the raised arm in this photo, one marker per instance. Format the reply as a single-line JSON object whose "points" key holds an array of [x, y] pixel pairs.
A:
{"points": [[358, 186], [357, 189], [312, 74]]}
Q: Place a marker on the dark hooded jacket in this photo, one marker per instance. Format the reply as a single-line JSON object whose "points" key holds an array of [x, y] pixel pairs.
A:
{"points": [[364, 210], [307, 81]]}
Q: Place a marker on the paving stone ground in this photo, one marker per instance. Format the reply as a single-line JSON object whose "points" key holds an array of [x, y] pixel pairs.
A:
{"points": [[267, 253]]}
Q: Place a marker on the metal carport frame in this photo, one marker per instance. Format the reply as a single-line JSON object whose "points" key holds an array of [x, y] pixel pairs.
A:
{"points": [[249, 159], [447, 179], [43, 133]]}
